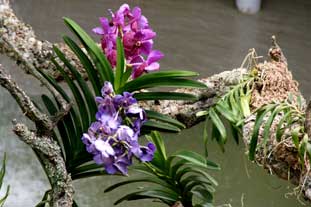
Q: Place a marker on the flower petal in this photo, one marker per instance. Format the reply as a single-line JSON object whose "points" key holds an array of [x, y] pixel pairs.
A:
{"points": [[98, 30], [152, 67], [154, 56]]}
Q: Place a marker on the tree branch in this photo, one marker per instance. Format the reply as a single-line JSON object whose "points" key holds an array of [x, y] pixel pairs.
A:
{"points": [[25, 103], [41, 141], [50, 153]]}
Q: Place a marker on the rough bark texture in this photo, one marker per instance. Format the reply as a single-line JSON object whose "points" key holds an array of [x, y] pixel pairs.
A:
{"points": [[18, 41], [42, 142]]}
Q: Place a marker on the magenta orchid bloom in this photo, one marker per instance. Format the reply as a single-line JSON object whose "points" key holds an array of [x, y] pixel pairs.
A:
{"points": [[137, 37], [140, 65]]}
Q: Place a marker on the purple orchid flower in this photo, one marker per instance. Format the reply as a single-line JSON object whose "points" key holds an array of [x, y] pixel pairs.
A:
{"points": [[113, 138], [137, 37], [140, 65], [136, 43]]}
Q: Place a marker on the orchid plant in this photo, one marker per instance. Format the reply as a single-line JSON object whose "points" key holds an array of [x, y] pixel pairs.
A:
{"points": [[100, 134]]}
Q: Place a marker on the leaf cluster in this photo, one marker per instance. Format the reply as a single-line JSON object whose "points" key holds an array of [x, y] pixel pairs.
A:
{"points": [[231, 109], [290, 125], [181, 177]]}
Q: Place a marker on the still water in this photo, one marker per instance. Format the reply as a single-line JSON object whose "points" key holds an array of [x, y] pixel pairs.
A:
{"points": [[207, 36]]}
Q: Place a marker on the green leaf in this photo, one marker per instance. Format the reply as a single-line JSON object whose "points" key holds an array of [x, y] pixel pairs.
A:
{"points": [[156, 138], [192, 170], [295, 136], [64, 135], [279, 129], [138, 180], [87, 64], [226, 112], [193, 158], [269, 122], [89, 174], [85, 168], [164, 82], [164, 118], [160, 79], [235, 133], [98, 57], [302, 148], [219, 125], [259, 120], [245, 105], [205, 137], [203, 194], [120, 65], [201, 113], [168, 196], [173, 168], [3, 199], [84, 115], [89, 97], [155, 125], [126, 76], [164, 96], [2, 173]]}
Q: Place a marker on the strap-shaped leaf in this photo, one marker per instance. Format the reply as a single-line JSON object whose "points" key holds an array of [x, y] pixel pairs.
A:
{"points": [[280, 129], [194, 183], [142, 169], [73, 112], [163, 82], [269, 122], [164, 118], [155, 125], [203, 194], [158, 141], [196, 170], [87, 64], [156, 78], [219, 125], [164, 96], [2, 173], [85, 168], [295, 136], [193, 158], [98, 57], [84, 115], [126, 75], [226, 112], [161, 194], [205, 137], [65, 137], [259, 120], [88, 95], [139, 180], [120, 65], [89, 174], [188, 179]]}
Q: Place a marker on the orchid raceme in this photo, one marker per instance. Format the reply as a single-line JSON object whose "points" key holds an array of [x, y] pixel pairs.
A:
{"points": [[137, 38], [113, 138]]}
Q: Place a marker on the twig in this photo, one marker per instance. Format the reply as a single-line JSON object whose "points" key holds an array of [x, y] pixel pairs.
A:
{"points": [[25, 103]]}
